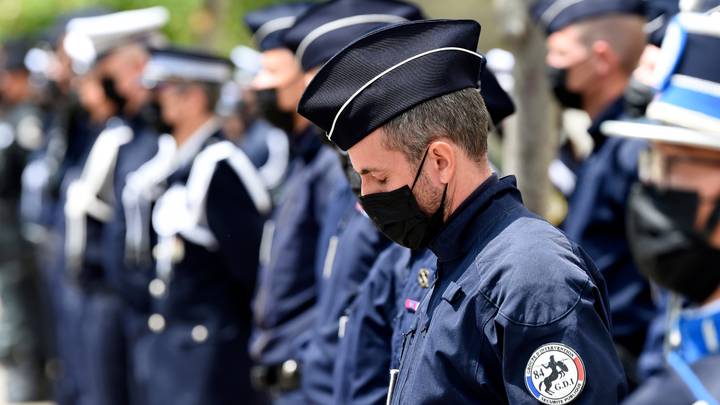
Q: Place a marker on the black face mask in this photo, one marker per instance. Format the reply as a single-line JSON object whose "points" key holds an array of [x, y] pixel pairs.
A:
{"points": [[111, 92], [268, 105], [558, 82], [637, 97], [398, 216], [666, 246]]}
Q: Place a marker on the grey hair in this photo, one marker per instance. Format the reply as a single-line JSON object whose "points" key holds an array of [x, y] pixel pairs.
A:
{"points": [[460, 116]]}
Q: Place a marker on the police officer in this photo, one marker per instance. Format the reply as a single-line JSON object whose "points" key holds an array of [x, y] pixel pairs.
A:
{"points": [[286, 295], [266, 146], [593, 48], [22, 339], [206, 225], [517, 311], [383, 311], [348, 243], [90, 209], [673, 211]]}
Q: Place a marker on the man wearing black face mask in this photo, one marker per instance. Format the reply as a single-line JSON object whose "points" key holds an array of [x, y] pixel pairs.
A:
{"points": [[284, 306], [674, 213], [513, 298], [593, 48]]}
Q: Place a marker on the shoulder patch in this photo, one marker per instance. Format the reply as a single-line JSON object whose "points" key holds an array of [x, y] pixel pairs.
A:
{"points": [[555, 374]]}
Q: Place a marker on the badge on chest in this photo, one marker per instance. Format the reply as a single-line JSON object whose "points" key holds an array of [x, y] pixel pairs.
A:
{"points": [[555, 374]]}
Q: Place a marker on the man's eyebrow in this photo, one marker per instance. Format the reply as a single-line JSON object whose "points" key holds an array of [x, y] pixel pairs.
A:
{"points": [[368, 170]]}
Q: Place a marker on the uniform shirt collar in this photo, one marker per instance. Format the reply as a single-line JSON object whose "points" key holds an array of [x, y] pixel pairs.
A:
{"points": [[611, 112], [305, 144], [194, 144], [461, 230]]}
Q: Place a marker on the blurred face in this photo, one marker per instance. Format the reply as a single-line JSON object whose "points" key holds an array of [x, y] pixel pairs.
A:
{"points": [[91, 93], [281, 71], [13, 85], [566, 51], [689, 169], [126, 66], [180, 101]]}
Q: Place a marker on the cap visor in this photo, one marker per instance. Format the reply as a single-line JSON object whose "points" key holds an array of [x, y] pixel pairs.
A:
{"points": [[663, 133]]}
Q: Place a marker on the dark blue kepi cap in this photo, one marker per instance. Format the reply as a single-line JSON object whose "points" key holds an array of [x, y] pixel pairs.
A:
{"points": [[327, 28], [389, 71], [269, 24], [554, 15]]}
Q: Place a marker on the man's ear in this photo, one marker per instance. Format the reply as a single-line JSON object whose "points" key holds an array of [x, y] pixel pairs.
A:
{"points": [[443, 160], [606, 59]]}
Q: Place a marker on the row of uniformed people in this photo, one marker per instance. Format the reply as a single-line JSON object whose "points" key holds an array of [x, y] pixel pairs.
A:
{"points": [[176, 210], [152, 239], [630, 302]]}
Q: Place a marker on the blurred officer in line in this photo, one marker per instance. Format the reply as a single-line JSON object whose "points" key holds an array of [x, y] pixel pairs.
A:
{"points": [[22, 338], [517, 312], [673, 213], [64, 135], [206, 230], [349, 243], [371, 333], [266, 146], [108, 45], [375, 324], [284, 305], [593, 48], [652, 359]]}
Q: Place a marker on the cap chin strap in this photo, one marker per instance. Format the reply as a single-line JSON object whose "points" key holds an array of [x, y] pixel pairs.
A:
{"points": [[390, 69]]}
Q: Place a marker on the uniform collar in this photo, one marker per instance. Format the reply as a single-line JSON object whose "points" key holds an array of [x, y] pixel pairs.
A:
{"points": [[195, 143], [611, 112], [306, 143], [464, 227]]}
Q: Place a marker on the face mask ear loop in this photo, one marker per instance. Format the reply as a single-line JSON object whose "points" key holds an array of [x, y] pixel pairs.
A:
{"points": [[417, 175], [712, 221]]}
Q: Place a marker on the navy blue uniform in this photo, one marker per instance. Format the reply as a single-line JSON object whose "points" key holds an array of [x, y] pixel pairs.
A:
{"points": [[349, 244], [67, 300], [286, 294], [208, 225], [596, 220], [383, 309], [127, 328], [517, 313]]}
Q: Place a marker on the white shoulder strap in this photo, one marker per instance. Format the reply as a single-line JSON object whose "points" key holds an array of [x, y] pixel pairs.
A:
{"points": [[273, 171], [83, 194], [141, 189]]}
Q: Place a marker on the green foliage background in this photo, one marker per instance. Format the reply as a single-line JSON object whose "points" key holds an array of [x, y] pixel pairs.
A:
{"points": [[212, 23]]}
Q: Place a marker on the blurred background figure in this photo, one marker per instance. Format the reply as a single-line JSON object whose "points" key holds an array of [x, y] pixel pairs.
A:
{"points": [[266, 146], [206, 228], [674, 210], [593, 48], [22, 319], [284, 304]]}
